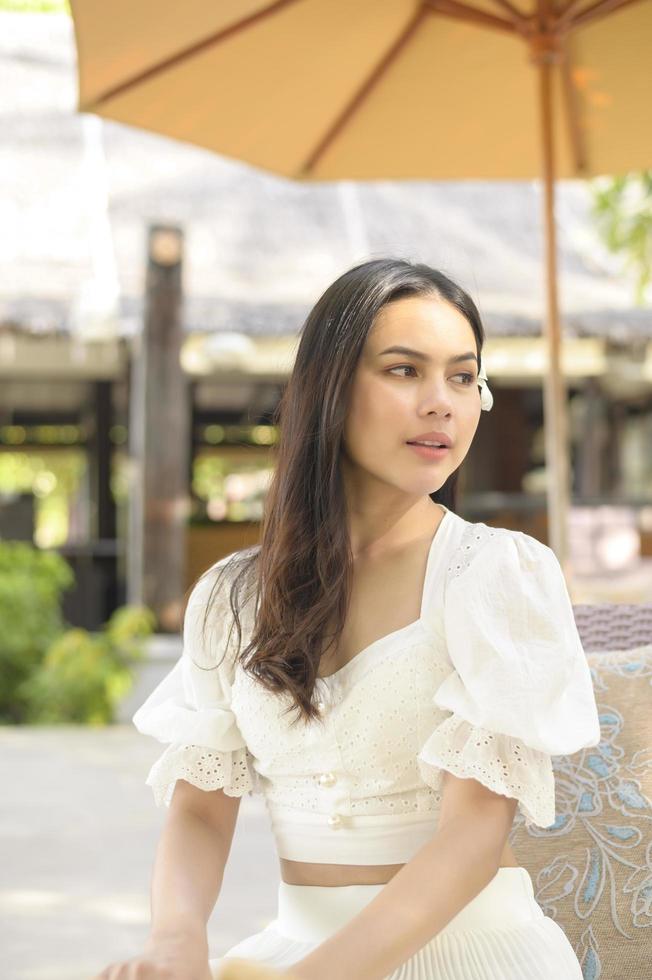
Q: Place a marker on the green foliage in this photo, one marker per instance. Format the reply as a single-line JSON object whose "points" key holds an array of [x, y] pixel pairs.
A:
{"points": [[31, 585], [49, 674], [36, 6], [622, 207], [84, 675], [53, 477]]}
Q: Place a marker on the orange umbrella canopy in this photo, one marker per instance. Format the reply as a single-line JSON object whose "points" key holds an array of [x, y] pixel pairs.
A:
{"points": [[391, 89], [366, 89]]}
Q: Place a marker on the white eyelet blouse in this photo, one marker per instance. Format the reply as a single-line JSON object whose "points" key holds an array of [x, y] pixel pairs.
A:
{"points": [[488, 683]]}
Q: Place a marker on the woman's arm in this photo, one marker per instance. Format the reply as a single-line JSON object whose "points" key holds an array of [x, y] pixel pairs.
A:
{"points": [[190, 860], [188, 870], [428, 891]]}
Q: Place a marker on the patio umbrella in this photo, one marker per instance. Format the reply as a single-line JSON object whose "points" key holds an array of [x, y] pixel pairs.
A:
{"points": [[391, 89]]}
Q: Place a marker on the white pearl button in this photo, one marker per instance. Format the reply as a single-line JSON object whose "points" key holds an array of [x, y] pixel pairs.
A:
{"points": [[334, 820], [320, 706], [327, 779]]}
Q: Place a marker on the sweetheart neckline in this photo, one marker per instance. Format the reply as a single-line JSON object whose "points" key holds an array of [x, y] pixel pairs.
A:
{"points": [[409, 626]]}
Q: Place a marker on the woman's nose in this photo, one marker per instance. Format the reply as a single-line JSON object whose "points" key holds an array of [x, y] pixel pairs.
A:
{"points": [[436, 399]]}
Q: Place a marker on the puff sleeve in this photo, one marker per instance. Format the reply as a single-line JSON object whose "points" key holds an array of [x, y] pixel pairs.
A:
{"points": [[190, 709], [520, 688]]}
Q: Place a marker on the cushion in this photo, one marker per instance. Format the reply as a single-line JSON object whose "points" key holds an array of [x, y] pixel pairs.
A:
{"points": [[592, 868]]}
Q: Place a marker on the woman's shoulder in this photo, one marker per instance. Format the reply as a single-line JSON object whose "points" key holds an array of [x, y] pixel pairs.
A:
{"points": [[479, 545], [219, 576], [208, 617]]}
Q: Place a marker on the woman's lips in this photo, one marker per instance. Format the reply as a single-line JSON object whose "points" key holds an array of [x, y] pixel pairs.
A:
{"points": [[429, 452]]}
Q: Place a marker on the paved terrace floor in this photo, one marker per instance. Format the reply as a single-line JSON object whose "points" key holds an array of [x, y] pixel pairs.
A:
{"points": [[78, 832]]}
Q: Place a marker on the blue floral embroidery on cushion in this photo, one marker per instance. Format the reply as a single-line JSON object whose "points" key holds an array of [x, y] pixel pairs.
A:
{"points": [[588, 956]]}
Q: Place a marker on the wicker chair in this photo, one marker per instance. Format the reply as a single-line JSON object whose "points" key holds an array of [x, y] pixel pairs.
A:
{"points": [[610, 626], [592, 870]]}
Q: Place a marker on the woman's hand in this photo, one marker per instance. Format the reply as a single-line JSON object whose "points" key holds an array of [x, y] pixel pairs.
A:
{"points": [[241, 969], [164, 958]]}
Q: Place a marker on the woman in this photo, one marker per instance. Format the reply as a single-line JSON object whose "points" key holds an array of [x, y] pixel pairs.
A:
{"points": [[393, 678]]}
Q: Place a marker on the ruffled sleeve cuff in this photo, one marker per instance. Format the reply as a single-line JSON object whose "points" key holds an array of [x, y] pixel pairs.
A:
{"points": [[204, 744], [502, 763], [207, 769]]}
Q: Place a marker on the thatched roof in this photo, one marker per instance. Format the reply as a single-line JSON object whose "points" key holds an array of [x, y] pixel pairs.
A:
{"points": [[77, 196]]}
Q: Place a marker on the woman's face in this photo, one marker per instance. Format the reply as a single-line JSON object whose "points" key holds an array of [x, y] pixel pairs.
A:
{"points": [[400, 397]]}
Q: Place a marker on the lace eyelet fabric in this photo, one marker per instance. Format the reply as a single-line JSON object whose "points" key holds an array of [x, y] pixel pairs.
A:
{"points": [[373, 765], [499, 762], [206, 769], [475, 537]]}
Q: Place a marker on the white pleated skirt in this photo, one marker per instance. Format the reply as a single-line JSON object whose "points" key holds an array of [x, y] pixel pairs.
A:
{"points": [[502, 934]]}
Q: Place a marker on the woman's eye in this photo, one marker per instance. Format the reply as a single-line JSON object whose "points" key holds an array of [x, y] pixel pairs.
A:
{"points": [[402, 367], [468, 378]]}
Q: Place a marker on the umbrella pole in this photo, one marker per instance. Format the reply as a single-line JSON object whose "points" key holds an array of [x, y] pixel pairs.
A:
{"points": [[557, 447]]}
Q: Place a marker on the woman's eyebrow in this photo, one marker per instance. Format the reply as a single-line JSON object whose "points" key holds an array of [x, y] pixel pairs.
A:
{"points": [[409, 352]]}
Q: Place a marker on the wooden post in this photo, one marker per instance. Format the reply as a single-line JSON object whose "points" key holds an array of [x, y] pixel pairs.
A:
{"points": [[593, 441], [104, 516], [545, 56], [103, 559], [159, 438]]}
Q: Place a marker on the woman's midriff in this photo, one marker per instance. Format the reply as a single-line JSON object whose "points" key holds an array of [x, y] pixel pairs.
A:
{"points": [[303, 873]]}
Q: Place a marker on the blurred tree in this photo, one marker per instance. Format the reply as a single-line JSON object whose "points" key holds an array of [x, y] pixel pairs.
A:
{"points": [[84, 675], [622, 207], [31, 585]]}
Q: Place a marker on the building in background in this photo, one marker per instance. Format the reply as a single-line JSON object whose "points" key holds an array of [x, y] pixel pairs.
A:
{"points": [[76, 202]]}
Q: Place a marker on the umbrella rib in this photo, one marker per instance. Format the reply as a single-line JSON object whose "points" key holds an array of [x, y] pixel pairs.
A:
{"points": [[516, 14], [577, 141], [363, 91], [462, 11], [186, 53], [573, 16], [564, 12], [452, 8]]}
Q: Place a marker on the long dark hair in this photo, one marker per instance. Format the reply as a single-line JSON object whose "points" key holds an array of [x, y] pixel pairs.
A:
{"points": [[299, 576]]}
